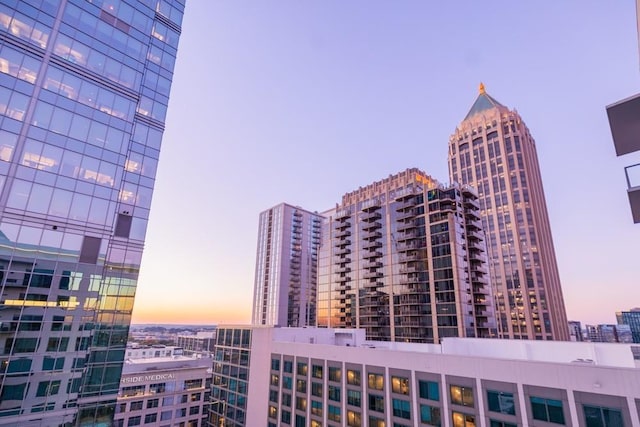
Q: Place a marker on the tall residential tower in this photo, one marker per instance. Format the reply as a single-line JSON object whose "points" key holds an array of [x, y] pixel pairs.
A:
{"points": [[286, 267], [493, 151], [84, 88], [405, 259]]}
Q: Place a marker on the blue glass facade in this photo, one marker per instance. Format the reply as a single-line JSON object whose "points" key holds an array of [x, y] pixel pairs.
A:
{"points": [[84, 88]]}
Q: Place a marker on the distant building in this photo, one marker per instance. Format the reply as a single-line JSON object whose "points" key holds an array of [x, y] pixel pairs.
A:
{"points": [[335, 377], [610, 333], [493, 151], [575, 331], [404, 258], [164, 390], [202, 342], [286, 275], [631, 318], [137, 351]]}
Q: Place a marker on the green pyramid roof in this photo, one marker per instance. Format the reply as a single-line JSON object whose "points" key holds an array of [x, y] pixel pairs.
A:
{"points": [[484, 102]]}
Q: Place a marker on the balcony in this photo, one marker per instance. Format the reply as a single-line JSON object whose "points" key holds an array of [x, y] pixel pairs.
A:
{"points": [[472, 202], [374, 254], [372, 235], [342, 233], [372, 245], [373, 275], [374, 264], [407, 225], [369, 226], [409, 257], [342, 243], [342, 261], [410, 213], [371, 216], [406, 204], [343, 251], [341, 225], [407, 235]]}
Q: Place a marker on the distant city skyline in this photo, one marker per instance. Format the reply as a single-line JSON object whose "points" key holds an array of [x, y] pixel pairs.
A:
{"points": [[293, 93]]}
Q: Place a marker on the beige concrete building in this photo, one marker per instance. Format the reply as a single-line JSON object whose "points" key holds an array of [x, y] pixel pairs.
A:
{"points": [[493, 150]]}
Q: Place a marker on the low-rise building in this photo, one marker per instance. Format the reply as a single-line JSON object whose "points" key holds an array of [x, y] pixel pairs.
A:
{"points": [[202, 342], [334, 377], [164, 391]]}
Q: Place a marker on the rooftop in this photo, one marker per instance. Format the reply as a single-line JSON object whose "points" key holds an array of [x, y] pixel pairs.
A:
{"points": [[483, 102]]}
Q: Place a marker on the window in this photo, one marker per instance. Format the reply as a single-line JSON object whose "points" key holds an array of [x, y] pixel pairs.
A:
{"points": [[333, 393], [494, 423], [288, 366], [461, 395], [273, 396], [316, 389], [376, 422], [285, 417], [353, 377], [401, 408], [430, 415], [316, 371], [376, 381], [301, 386], [134, 421], [463, 420], [286, 383], [150, 418], [400, 385], [136, 406], [301, 421], [354, 419], [316, 408], [335, 374], [549, 410], [501, 402], [354, 398], [429, 390], [194, 410], [596, 416], [48, 388], [302, 368], [286, 399], [301, 403], [273, 412], [275, 364], [165, 415], [191, 384], [334, 413], [376, 403], [275, 380], [153, 403]]}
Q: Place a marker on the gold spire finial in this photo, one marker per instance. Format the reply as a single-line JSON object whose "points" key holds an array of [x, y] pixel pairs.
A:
{"points": [[482, 91]]}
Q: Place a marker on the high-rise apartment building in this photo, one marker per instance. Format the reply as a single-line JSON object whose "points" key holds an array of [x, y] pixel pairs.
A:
{"points": [[84, 88], [286, 267], [493, 151], [405, 259]]}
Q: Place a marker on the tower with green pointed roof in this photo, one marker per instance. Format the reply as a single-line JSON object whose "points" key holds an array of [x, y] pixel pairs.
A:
{"points": [[493, 151]]}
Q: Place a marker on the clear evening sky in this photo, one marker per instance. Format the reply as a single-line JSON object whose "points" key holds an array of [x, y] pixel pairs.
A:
{"points": [[302, 101]]}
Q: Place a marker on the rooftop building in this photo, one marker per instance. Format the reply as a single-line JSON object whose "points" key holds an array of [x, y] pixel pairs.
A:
{"points": [[164, 390], [335, 377]]}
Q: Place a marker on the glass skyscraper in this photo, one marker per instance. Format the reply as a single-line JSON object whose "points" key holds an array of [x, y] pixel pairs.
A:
{"points": [[84, 88], [493, 151]]}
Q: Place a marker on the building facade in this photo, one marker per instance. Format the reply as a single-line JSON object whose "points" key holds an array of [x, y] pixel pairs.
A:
{"points": [[631, 318], [575, 331], [335, 377], [164, 391], [493, 151], [202, 342], [404, 258], [286, 267], [84, 88]]}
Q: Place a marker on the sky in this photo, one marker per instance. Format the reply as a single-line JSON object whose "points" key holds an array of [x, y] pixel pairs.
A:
{"points": [[303, 101]]}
